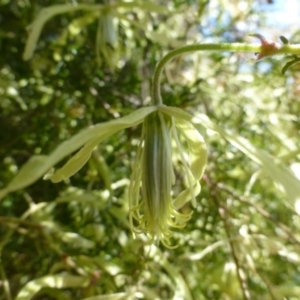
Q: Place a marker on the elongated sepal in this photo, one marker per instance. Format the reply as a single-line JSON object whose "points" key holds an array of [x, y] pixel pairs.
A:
{"points": [[194, 161], [104, 131], [76, 162]]}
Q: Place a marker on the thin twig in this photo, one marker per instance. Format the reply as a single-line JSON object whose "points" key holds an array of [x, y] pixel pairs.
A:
{"points": [[260, 210], [239, 271], [268, 286], [13, 221], [266, 215]]}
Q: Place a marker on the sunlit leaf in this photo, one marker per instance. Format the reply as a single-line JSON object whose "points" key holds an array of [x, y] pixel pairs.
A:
{"points": [[200, 255], [117, 296], [59, 281], [76, 240], [146, 5]]}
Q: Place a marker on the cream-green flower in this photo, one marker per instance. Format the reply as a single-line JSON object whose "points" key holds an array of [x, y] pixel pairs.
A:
{"points": [[153, 204], [154, 210]]}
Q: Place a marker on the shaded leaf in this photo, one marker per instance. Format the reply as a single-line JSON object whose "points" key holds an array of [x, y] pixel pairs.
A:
{"points": [[284, 40], [45, 14], [27, 175], [286, 291], [181, 290], [289, 64]]}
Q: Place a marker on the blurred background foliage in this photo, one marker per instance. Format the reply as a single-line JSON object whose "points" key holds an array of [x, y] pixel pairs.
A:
{"points": [[92, 64]]}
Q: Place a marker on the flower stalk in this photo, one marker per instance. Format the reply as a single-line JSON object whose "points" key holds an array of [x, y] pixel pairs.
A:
{"points": [[261, 48]]}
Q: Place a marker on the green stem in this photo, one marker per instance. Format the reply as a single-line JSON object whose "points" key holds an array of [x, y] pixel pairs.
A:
{"points": [[234, 47]]}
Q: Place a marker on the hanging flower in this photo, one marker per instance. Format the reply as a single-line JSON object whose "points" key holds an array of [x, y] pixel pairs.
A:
{"points": [[154, 209], [155, 212]]}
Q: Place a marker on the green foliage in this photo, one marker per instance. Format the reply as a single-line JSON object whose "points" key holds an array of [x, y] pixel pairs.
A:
{"points": [[90, 63]]}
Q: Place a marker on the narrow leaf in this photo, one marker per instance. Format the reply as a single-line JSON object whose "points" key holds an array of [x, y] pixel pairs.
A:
{"points": [[284, 40], [289, 64], [270, 165], [117, 296], [37, 166], [147, 6], [45, 14], [53, 281], [26, 176], [76, 162]]}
